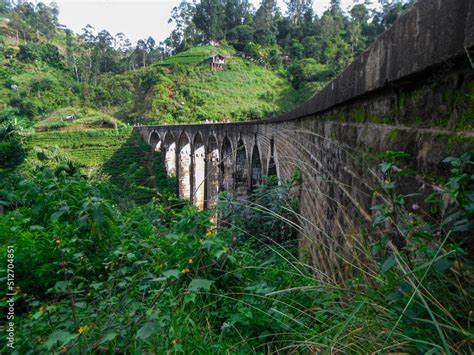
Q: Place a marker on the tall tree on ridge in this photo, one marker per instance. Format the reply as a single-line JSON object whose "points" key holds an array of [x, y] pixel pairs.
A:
{"points": [[264, 24], [209, 19], [183, 36], [297, 9]]}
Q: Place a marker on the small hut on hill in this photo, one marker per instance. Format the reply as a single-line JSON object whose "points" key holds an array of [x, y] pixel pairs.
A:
{"points": [[216, 62]]}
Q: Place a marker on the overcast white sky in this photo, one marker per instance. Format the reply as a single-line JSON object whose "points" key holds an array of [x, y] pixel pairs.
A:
{"points": [[136, 19]]}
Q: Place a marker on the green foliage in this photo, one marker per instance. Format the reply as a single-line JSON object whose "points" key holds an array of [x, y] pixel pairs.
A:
{"points": [[118, 155], [12, 152], [97, 275], [308, 70], [48, 53], [423, 257], [268, 216]]}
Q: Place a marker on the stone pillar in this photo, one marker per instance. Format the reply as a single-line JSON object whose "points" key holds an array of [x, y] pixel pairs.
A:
{"points": [[212, 173], [199, 172], [184, 165], [226, 166]]}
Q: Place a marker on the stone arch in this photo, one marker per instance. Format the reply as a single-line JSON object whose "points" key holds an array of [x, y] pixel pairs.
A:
{"points": [[256, 170], [184, 165], [241, 181], [169, 145], [155, 141], [212, 171], [226, 165], [199, 171]]}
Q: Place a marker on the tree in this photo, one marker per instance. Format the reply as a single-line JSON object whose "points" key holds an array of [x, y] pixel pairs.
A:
{"points": [[240, 36], [264, 22], [183, 36], [297, 9], [209, 20], [391, 11], [236, 12]]}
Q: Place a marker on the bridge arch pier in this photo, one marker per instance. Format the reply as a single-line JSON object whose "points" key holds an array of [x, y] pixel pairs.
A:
{"points": [[212, 171], [169, 149], [226, 169], [198, 172], [184, 167]]}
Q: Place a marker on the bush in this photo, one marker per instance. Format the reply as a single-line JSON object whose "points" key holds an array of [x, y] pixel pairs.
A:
{"points": [[47, 53], [12, 152], [308, 70]]}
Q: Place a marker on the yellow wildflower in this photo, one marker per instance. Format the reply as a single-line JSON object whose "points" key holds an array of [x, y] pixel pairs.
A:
{"points": [[82, 329], [174, 342], [58, 241], [185, 271], [190, 260]]}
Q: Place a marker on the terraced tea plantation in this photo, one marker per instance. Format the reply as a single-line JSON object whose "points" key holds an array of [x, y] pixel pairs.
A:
{"points": [[119, 155]]}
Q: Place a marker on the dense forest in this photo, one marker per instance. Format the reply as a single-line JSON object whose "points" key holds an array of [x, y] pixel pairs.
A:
{"points": [[108, 260]]}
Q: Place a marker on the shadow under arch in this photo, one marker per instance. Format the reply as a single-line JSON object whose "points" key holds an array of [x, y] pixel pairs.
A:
{"points": [[155, 141], [272, 168], [212, 172], [241, 181], [226, 165], [256, 169]]}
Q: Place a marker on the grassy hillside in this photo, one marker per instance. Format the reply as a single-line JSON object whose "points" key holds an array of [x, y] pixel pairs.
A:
{"points": [[184, 89], [180, 89], [196, 55]]}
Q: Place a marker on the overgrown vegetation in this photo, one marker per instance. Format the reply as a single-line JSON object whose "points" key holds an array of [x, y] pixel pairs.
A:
{"points": [[98, 274]]}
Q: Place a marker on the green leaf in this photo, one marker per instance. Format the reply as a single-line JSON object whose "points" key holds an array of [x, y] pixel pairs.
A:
{"points": [[59, 336], [406, 172], [386, 166], [147, 330], [61, 286], [171, 273], [379, 219], [108, 337], [200, 284], [190, 297], [442, 265], [388, 264], [56, 215], [394, 296]]}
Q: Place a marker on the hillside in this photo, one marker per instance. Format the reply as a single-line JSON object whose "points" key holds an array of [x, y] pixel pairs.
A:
{"points": [[182, 88], [36, 82]]}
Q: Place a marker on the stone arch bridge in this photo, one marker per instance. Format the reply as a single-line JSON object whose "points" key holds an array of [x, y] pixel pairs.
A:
{"points": [[412, 91], [212, 158]]}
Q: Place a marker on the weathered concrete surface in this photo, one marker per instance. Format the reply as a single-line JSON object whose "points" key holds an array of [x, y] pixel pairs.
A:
{"points": [[469, 40], [413, 91]]}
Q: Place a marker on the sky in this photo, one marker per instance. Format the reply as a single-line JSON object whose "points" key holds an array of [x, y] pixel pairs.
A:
{"points": [[136, 18]]}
